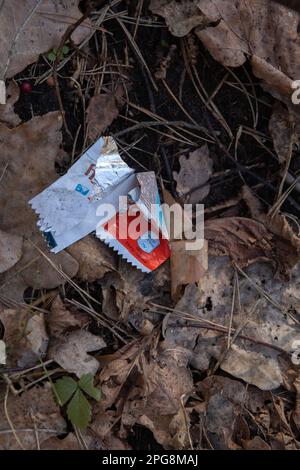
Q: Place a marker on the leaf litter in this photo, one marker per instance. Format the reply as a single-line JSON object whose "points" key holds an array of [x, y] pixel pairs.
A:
{"points": [[204, 353]]}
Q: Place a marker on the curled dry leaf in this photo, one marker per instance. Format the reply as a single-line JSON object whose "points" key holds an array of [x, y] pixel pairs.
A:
{"points": [[101, 112], [285, 241], [28, 153], [32, 414], [72, 352], [25, 337], [244, 240], [32, 27], [94, 258], [7, 113], [150, 387], [193, 175], [234, 30]]}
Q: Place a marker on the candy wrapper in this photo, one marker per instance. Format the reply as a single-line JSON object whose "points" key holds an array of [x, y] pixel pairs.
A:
{"points": [[101, 193]]}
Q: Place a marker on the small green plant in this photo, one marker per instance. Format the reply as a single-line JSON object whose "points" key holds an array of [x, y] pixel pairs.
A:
{"points": [[58, 53], [67, 390]]}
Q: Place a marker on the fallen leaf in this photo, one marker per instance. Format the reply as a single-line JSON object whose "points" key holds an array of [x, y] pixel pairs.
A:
{"points": [[33, 27], [150, 389], [60, 319], [28, 152], [94, 258], [271, 333], [187, 265], [72, 352], [286, 242], [296, 411], [127, 291], [181, 17], [244, 240], [195, 171], [10, 250], [233, 31], [225, 400], [7, 113], [25, 336], [32, 414], [101, 112], [284, 128], [257, 443]]}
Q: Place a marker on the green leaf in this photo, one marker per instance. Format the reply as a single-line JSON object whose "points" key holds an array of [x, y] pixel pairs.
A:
{"points": [[86, 384], [79, 410], [64, 388], [52, 56], [65, 50]]}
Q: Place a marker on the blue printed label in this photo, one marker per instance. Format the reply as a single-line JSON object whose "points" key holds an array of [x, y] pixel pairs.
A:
{"points": [[82, 189], [148, 242]]}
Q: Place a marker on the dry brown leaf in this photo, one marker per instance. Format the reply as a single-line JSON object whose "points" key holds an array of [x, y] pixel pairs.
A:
{"points": [[181, 17], [31, 27], [286, 242], [244, 240], [127, 291], [148, 387], [284, 128], [10, 250], [101, 112], [60, 319], [296, 412], [72, 352], [257, 443], [94, 258], [195, 171], [267, 324], [28, 152], [235, 30], [187, 266], [33, 414], [224, 399], [7, 113], [25, 337], [256, 28]]}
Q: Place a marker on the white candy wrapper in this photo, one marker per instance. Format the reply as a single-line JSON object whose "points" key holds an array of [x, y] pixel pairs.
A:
{"points": [[67, 209]]}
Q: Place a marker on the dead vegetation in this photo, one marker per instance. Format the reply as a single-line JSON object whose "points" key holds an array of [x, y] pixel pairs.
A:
{"points": [[204, 352]]}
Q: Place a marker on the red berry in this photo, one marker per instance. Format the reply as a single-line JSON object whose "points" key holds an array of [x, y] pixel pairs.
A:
{"points": [[26, 87]]}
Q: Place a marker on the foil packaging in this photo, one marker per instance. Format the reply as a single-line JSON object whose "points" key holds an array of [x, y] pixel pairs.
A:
{"points": [[68, 210]]}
